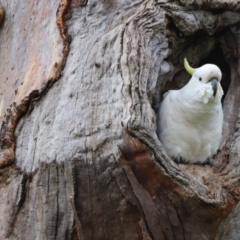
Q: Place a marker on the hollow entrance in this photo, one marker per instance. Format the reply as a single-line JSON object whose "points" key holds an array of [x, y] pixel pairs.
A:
{"points": [[181, 77]]}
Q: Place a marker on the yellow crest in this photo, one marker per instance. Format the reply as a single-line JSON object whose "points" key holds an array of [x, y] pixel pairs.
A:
{"points": [[189, 69]]}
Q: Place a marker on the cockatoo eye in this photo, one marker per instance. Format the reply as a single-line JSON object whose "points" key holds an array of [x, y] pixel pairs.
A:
{"points": [[200, 79]]}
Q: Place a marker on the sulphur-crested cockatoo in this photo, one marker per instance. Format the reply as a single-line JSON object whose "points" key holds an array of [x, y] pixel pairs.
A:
{"points": [[190, 119]]}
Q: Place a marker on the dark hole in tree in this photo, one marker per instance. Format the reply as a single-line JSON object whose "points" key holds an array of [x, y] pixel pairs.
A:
{"points": [[181, 78], [216, 57]]}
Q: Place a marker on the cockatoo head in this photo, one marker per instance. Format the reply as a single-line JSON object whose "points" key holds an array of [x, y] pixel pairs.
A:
{"points": [[205, 81]]}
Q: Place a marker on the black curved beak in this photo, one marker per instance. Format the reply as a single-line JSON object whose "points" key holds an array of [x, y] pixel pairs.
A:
{"points": [[214, 83]]}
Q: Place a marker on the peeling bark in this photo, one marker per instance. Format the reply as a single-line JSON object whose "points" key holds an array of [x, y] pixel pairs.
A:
{"points": [[2, 14], [81, 84], [16, 110]]}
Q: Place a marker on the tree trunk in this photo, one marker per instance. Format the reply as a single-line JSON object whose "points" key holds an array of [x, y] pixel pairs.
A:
{"points": [[81, 85]]}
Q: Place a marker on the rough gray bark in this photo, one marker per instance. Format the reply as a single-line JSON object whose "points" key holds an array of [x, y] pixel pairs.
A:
{"points": [[81, 85]]}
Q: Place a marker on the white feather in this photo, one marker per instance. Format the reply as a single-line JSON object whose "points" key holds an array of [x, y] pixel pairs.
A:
{"points": [[190, 119]]}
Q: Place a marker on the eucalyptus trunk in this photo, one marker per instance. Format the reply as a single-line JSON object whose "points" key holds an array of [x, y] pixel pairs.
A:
{"points": [[81, 84]]}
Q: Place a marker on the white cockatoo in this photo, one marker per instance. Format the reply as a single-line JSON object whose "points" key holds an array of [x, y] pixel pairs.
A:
{"points": [[190, 119]]}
